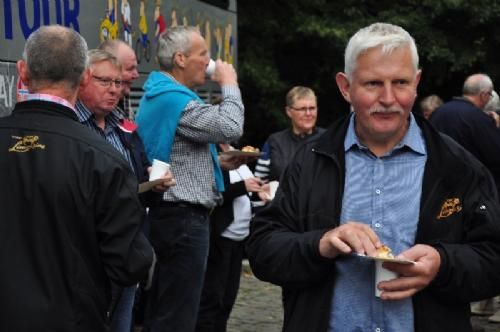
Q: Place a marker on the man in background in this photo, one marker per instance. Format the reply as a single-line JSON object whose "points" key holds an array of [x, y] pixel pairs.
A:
{"points": [[70, 211], [302, 109], [126, 56], [464, 120], [179, 128]]}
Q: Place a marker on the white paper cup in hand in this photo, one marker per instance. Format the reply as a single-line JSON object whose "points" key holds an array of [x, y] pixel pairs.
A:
{"points": [[382, 274], [273, 186], [159, 168], [210, 68]]}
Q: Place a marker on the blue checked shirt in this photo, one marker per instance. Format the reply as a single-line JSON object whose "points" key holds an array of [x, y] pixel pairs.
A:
{"points": [[384, 193], [86, 117]]}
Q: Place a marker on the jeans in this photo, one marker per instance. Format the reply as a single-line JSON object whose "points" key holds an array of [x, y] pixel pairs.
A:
{"points": [[222, 281], [180, 237], [123, 302]]}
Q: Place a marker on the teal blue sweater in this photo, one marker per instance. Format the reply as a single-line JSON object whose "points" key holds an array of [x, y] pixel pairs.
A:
{"points": [[158, 116]]}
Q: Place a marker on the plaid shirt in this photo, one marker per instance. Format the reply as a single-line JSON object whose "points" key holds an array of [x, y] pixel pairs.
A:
{"points": [[190, 160]]}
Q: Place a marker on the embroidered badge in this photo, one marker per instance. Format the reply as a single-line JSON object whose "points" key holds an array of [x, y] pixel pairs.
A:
{"points": [[26, 143], [449, 207]]}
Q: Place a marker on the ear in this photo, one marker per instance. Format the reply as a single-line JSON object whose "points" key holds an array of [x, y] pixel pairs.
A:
{"points": [[343, 85], [417, 78], [288, 112], [179, 60], [22, 72], [86, 76]]}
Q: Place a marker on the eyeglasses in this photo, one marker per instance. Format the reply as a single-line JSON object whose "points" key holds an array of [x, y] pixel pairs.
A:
{"points": [[304, 109], [106, 82]]}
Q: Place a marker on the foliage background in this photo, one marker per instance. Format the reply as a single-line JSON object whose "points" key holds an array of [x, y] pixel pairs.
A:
{"points": [[301, 42]]}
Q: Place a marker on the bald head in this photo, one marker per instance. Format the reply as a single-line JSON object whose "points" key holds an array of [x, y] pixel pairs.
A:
{"points": [[126, 56], [478, 89]]}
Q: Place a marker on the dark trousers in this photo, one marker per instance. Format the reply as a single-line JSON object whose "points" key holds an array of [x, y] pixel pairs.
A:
{"points": [[180, 238], [222, 281]]}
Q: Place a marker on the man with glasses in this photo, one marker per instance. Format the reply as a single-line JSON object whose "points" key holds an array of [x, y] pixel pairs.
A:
{"points": [[96, 109], [302, 109]]}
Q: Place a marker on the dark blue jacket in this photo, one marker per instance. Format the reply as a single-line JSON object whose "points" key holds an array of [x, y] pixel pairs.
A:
{"points": [[133, 143], [473, 129]]}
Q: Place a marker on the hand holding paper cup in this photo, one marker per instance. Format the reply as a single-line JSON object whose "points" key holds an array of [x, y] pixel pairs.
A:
{"points": [[159, 168], [382, 274]]}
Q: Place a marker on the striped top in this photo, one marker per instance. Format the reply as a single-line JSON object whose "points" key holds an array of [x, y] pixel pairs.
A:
{"points": [[110, 132]]}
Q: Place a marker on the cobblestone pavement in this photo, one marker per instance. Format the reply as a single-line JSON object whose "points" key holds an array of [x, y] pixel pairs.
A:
{"points": [[258, 306]]}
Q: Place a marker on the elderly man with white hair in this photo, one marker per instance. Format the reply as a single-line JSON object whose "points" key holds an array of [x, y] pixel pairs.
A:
{"points": [[380, 176]]}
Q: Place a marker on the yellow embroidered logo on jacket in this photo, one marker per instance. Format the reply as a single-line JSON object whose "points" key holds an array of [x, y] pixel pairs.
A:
{"points": [[26, 143], [449, 207]]}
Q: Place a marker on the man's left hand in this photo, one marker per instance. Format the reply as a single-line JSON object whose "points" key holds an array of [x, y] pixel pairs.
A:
{"points": [[414, 277]]}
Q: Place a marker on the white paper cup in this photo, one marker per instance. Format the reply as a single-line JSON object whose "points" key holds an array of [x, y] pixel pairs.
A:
{"points": [[210, 68], [273, 186], [382, 274], [159, 169]]}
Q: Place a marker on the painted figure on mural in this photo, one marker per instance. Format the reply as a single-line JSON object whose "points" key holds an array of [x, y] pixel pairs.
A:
{"points": [[228, 43], [208, 37], [218, 43], [142, 44], [159, 21], [109, 25], [173, 16], [127, 23]]}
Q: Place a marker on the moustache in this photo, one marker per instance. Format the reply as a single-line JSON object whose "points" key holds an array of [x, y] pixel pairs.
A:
{"points": [[386, 110]]}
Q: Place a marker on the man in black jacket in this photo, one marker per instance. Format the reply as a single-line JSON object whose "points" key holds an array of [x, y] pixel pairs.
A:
{"points": [[96, 109], [70, 211], [380, 176]]}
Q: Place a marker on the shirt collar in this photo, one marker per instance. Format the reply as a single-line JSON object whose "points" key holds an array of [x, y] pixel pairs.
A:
{"points": [[413, 138], [85, 115], [51, 98]]}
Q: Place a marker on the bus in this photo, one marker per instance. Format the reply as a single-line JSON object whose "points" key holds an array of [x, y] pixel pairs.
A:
{"points": [[137, 22]]}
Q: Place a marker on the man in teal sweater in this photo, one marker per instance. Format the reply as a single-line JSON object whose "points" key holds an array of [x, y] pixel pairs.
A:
{"points": [[179, 128]]}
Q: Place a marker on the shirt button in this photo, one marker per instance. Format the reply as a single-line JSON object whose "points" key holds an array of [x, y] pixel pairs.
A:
{"points": [[377, 225], [378, 329], [378, 191]]}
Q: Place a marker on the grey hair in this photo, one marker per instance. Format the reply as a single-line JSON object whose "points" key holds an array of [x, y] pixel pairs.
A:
{"points": [[477, 83], [55, 54], [385, 35], [175, 40], [298, 92], [98, 55], [431, 102]]}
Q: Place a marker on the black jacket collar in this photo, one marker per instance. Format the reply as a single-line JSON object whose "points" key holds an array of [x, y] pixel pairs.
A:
{"points": [[44, 107]]}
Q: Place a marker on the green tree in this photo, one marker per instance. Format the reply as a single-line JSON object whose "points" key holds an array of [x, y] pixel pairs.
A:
{"points": [[298, 42]]}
